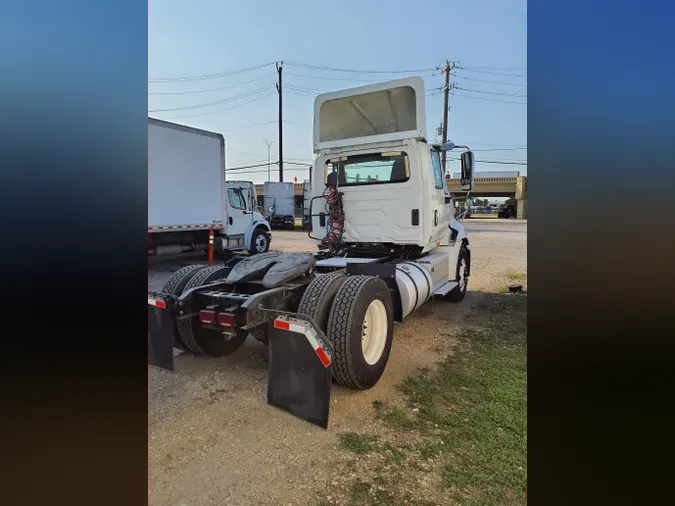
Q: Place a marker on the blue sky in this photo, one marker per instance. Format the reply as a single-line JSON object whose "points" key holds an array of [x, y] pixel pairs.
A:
{"points": [[197, 38]]}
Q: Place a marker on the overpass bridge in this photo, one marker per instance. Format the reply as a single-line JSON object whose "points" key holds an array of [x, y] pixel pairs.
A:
{"points": [[508, 187]]}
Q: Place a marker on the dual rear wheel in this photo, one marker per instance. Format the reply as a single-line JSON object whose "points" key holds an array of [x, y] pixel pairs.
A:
{"points": [[189, 333], [356, 314]]}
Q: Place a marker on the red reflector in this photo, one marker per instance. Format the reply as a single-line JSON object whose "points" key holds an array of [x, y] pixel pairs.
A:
{"points": [[323, 357], [280, 324], [226, 319], [157, 302], [206, 316]]}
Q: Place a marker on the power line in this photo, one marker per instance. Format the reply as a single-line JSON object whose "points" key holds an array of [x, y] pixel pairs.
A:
{"points": [[490, 72], [490, 99], [249, 126], [264, 171], [297, 124], [492, 92], [209, 90], [264, 164], [499, 68], [206, 76], [488, 81], [300, 94], [341, 78], [498, 145], [500, 149], [227, 108], [332, 69], [256, 164], [493, 161], [216, 102], [304, 88]]}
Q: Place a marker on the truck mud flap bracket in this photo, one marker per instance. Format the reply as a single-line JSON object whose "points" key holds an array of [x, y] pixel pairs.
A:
{"points": [[160, 333], [300, 369]]}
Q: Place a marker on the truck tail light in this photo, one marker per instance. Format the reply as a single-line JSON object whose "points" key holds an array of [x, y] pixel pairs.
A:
{"points": [[226, 319], [206, 316]]}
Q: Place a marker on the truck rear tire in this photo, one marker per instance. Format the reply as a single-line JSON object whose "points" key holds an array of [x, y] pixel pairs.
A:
{"points": [[202, 341], [318, 297], [462, 275], [260, 241], [361, 330], [175, 286]]}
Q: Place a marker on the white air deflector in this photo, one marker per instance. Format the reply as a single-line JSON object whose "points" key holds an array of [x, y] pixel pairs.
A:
{"points": [[388, 111]]}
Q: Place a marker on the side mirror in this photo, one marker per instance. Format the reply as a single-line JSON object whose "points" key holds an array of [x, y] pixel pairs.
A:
{"points": [[466, 180]]}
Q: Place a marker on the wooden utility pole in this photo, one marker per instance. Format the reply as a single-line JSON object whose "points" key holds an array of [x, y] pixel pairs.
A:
{"points": [[281, 123], [446, 93]]}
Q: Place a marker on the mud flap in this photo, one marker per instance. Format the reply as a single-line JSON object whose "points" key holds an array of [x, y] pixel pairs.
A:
{"points": [[160, 334], [300, 370]]}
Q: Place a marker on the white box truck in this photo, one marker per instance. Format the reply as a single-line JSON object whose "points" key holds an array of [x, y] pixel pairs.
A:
{"points": [[188, 195], [280, 204]]}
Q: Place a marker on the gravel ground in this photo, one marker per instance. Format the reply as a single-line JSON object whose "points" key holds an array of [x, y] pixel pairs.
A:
{"points": [[213, 438]]}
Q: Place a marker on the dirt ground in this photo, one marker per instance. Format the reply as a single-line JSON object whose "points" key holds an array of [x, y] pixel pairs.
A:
{"points": [[214, 440]]}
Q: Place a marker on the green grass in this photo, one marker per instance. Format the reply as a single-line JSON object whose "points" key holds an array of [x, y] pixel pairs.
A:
{"points": [[517, 276], [475, 403], [358, 443]]}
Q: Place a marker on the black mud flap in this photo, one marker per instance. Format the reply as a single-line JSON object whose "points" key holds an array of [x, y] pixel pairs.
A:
{"points": [[160, 334], [299, 378]]}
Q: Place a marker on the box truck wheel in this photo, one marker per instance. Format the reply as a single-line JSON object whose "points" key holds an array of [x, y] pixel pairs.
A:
{"points": [[202, 341], [260, 241], [318, 297], [175, 286], [461, 275], [361, 329]]}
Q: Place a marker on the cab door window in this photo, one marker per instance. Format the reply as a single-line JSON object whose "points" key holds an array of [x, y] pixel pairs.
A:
{"points": [[236, 199], [438, 170]]}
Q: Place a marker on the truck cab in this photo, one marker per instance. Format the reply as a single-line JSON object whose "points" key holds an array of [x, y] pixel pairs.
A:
{"points": [[245, 228], [371, 141]]}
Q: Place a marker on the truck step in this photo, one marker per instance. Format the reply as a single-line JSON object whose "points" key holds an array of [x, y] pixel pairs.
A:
{"points": [[445, 288]]}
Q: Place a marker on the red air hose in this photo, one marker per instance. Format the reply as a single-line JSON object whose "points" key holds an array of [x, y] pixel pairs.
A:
{"points": [[335, 218]]}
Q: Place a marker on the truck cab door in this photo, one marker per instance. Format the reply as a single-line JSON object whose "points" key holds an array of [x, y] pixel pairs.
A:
{"points": [[441, 212], [238, 214]]}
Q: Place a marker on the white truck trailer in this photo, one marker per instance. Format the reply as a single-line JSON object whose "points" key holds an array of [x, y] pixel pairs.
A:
{"points": [[188, 195], [388, 241], [280, 204]]}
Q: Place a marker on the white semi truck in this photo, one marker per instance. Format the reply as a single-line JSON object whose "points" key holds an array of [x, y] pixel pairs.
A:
{"points": [[280, 204], [188, 195], [387, 239]]}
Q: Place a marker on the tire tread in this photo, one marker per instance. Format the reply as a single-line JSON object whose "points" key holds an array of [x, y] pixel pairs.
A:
{"points": [[185, 325], [175, 286], [339, 323]]}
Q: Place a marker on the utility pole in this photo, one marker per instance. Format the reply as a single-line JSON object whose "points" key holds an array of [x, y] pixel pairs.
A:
{"points": [[447, 70], [281, 122], [269, 177]]}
